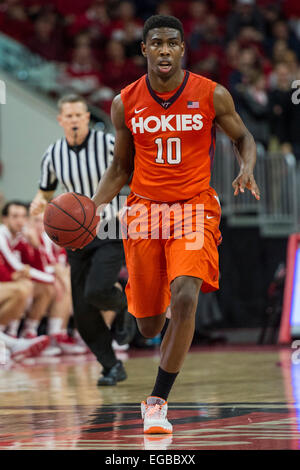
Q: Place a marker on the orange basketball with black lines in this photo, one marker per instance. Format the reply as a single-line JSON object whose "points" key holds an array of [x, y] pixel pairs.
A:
{"points": [[70, 220]]}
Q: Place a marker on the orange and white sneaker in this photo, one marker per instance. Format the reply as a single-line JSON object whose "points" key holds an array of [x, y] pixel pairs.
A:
{"points": [[154, 413], [157, 441]]}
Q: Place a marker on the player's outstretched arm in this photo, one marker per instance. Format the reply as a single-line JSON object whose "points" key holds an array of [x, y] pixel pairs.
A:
{"points": [[40, 201], [231, 123], [120, 170]]}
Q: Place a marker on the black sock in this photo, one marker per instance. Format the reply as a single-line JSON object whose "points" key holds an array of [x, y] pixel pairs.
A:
{"points": [[163, 384]]}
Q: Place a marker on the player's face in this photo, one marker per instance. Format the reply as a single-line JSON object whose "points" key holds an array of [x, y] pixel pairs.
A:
{"points": [[74, 115], [16, 218], [163, 50]]}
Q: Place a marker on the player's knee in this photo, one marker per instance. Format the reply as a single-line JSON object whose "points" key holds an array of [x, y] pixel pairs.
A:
{"points": [[45, 291], [18, 296], [184, 298], [26, 289], [183, 305], [48, 293], [151, 326], [149, 331]]}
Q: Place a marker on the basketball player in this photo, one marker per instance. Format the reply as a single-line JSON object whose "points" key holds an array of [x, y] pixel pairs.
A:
{"points": [[165, 125]]}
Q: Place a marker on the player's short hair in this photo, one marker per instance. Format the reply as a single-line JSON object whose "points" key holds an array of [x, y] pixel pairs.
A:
{"points": [[71, 98], [5, 209], [162, 21]]}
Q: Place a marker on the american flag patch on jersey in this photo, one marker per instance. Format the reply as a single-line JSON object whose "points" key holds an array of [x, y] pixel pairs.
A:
{"points": [[193, 104]]}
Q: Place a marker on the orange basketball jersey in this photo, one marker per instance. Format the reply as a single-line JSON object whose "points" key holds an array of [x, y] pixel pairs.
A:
{"points": [[174, 137]]}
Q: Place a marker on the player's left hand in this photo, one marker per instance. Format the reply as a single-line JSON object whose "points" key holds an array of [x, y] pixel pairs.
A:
{"points": [[244, 180]]}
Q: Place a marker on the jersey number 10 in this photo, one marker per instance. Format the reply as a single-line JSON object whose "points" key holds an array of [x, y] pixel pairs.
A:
{"points": [[173, 150]]}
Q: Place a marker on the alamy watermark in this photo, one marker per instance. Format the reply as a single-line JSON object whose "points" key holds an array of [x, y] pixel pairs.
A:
{"points": [[296, 93], [2, 92], [295, 358], [155, 221]]}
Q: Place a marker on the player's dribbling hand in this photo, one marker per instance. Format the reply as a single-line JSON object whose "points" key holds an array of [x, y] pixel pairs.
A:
{"points": [[246, 180]]}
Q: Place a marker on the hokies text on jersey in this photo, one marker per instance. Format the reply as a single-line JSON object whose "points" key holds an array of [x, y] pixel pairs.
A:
{"points": [[163, 123]]}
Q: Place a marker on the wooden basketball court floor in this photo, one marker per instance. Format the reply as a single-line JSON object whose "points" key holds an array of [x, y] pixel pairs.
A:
{"points": [[229, 397]]}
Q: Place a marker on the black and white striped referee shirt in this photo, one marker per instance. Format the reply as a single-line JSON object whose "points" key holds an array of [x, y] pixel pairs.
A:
{"points": [[79, 168]]}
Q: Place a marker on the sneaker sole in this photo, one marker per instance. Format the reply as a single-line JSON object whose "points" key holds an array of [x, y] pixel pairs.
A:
{"points": [[158, 430]]}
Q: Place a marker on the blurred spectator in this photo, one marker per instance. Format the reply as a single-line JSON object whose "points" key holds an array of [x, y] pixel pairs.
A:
{"points": [[16, 291], [279, 51], [252, 104], [248, 64], [292, 63], [271, 14], [18, 257], [54, 261], [47, 39], [229, 62], [209, 33], [181, 8], [281, 77], [245, 14], [69, 7], [133, 45], [279, 99], [206, 49], [222, 8], [95, 20], [35, 7], [250, 37], [195, 21], [282, 32], [126, 21], [118, 70], [14, 20], [82, 39], [295, 26], [164, 8], [83, 76], [291, 9]]}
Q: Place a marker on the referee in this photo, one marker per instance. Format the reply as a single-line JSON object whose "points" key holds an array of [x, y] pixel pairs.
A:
{"points": [[77, 161]]}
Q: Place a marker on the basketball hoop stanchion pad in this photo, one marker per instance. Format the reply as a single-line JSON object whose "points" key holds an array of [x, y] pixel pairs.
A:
{"points": [[285, 324]]}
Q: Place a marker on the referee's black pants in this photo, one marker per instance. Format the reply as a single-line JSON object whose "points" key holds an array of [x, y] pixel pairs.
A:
{"points": [[94, 271]]}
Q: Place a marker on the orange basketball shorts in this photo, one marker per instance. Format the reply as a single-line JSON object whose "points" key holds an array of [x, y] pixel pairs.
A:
{"points": [[165, 240]]}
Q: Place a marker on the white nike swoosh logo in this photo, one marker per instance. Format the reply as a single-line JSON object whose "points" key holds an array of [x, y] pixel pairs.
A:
{"points": [[140, 110], [210, 216]]}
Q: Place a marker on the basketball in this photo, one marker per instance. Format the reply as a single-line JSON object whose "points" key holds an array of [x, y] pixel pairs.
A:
{"points": [[70, 220]]}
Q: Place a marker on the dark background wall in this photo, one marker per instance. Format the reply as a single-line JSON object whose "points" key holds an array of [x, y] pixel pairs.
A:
{"points": [[248, 263]]}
